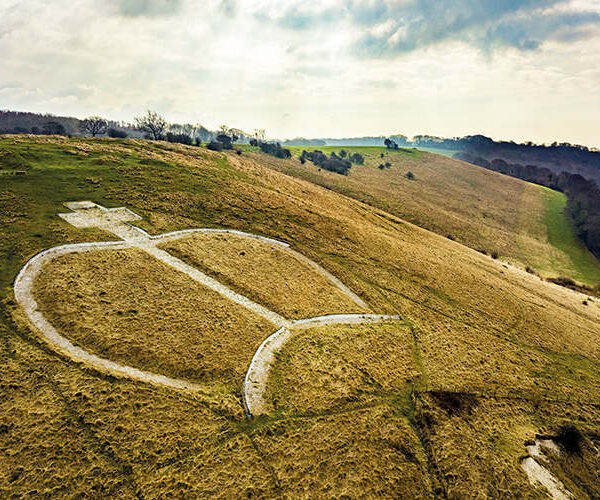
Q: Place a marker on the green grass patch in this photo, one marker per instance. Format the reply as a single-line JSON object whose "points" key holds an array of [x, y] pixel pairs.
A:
{"points": [[365, 150], [561, 235], [438, 151]]}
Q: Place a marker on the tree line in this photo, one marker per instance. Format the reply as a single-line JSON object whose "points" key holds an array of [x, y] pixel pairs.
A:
{"points": [[583, 195]]}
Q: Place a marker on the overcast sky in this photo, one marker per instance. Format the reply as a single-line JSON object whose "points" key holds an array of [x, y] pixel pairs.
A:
{"points": [[524, 70]]}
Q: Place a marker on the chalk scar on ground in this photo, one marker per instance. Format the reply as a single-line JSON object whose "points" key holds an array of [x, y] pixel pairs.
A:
{"points": [[533, 465], [86, 214]]}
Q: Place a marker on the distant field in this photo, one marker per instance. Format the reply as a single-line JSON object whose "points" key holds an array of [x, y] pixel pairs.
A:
{"points": [[438, 151], [373, 149], [497, 214], [488, 355], [562, 237]]}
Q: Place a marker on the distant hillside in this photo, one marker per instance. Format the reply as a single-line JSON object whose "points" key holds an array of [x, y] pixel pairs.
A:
{"points": [[17, 122], [558, 157], [521, 222], [21, 122], [583, 205]]}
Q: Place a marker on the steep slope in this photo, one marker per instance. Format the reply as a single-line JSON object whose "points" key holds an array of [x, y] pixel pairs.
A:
{"points": [[523, 223], [442, 405]]}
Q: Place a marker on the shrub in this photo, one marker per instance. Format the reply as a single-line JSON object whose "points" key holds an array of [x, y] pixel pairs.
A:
{"points": [[179, 138], [53, 128], [332, 163], [569, 283], [357, 158], [390, 144], [225, 141], [530, 270], [410, 176], [215, 146], [494, 254], [381, 166], [570, 438], [336, 165], [563, 281], [274, 149], [115, 133]]}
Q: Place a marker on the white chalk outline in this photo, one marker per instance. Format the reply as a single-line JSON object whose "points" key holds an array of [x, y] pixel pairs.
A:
{"points": [[115, 220]]}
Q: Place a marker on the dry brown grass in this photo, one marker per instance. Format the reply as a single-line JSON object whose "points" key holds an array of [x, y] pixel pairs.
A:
{"points": [[579, 471], [479, 327], [478, 443], [44, 453], [371, 452], [65, 431], [264, 273], [328, 367], [128, 307]]}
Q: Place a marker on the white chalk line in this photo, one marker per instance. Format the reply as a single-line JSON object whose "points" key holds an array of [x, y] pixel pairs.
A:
{"points": [[255, 382], [134, 237]]}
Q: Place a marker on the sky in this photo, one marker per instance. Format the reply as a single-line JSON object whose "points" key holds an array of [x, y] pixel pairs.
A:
{"points": [[521, 70]]}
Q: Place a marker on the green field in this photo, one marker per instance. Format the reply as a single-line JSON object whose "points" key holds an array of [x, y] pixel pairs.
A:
{"points": [[562, 236], [438, 151], [365, 150]]}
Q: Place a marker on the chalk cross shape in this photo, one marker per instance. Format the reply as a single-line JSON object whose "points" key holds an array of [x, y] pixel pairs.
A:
{"points": [[117, 221]]}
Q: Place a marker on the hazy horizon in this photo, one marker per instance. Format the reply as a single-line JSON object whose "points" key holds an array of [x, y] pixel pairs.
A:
{"points": [[513, 70]]}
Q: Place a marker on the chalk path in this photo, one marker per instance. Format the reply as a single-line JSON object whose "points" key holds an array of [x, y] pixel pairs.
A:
{"points": [[116, 221]]}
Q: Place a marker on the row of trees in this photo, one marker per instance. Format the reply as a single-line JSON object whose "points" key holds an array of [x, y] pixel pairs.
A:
{"points": [[583, 195], [155, 127]]}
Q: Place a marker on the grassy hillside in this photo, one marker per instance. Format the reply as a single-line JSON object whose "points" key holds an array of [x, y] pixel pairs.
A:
{"points": [[440, 405], [523, 223]]}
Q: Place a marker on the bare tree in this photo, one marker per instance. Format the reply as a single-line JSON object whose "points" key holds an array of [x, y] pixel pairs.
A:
{"points": [[152, 123], [94, 125]]}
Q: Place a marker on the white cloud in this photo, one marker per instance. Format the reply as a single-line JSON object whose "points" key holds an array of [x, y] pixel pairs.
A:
{"points": [[290, 67]]}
